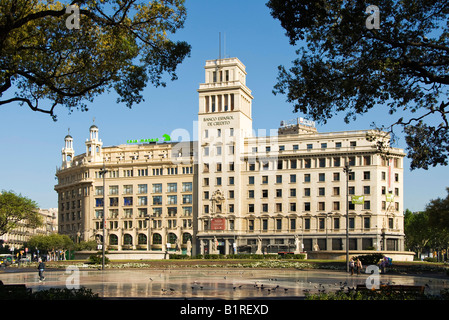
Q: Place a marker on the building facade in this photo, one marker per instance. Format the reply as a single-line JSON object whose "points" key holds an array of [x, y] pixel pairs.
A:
{"points": [[234, 190]]}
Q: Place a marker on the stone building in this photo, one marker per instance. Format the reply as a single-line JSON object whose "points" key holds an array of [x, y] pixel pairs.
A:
{"points": [[234, 189]]}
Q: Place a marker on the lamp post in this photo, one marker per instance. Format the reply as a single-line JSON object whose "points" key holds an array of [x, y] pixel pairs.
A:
{"points": [[148, 219], [103, 173], [327, 240], [347, 170]]}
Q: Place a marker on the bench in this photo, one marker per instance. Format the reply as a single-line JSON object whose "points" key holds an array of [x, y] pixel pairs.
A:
{"points": [[394, 288]]}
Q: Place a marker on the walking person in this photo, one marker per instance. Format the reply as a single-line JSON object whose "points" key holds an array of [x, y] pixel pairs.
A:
{"points": [[359, 266], [41, 268], [351, 266]]}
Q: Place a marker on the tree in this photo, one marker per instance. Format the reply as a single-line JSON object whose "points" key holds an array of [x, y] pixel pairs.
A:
{"points": [[51, 243], [54, 54], [349, 65], [438, 210], [17, 209], [417, 230]]}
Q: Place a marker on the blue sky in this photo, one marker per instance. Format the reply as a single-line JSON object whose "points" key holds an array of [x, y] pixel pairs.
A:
{"points": [[31, 142]]}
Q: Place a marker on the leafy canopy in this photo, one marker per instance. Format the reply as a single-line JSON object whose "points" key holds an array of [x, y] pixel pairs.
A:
{"points": [[350, 68], [17, 210], [45, 61]]}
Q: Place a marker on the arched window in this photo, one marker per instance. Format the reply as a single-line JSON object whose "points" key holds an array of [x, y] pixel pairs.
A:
{"points": [[157, 239], [172, 238], [113, 240], [186, 237], [142, 239], [127, 239]]}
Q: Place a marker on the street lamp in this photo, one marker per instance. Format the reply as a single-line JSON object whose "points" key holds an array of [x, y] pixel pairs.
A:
{"points": [[148, 219], [327, 241], [347, 170], [103, 172]]}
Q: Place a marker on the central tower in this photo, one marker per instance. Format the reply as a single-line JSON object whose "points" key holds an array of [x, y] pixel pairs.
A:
{"points": [[224, 121]]}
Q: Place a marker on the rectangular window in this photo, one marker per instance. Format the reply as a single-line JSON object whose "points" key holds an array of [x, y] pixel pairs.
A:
{"points": [[292, 178], [98, 191], [157, 188], [187, 187], [172, 187], [293, 164], [187, 199], [172, 199], [128, 201], [142, 201], [127, 189], [157, 200], [292, 224], [278, 224], [321, 177], [307, 224], [142, 188], [366, 222], [366, 175], [306, 192], [321, 206], [336, 205], [336, 223], [98, 214], [366, 190], [351, 223], [265, 224], [292, 192], [321, 191], [322, 162]]}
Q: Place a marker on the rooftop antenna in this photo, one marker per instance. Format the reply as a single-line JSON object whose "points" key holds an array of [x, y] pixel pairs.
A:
{"points": [[219, 46], [224, 45]]}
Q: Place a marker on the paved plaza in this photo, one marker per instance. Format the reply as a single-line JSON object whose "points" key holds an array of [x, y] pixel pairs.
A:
{"points": [[208, 283]]}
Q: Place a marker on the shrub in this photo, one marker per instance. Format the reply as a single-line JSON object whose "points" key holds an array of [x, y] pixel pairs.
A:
{"points": [[178, 256], [65, 294], [369, 259], [98, 258]]}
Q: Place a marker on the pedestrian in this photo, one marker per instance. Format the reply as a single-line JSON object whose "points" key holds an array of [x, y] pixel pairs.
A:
{"points": [[41, 268], [359, 266], [351, 266]]}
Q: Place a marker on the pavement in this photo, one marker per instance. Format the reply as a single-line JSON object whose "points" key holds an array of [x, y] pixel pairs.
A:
{"points": [[208, 283]]}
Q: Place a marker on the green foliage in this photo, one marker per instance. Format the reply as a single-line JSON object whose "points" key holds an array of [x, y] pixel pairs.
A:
{"points": [[369, 259], [250, 256], [120, 45], [86, 245], [343, 67], [98, 258], [17, 208], [65, 294], [49, 294], [51, 242]]}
